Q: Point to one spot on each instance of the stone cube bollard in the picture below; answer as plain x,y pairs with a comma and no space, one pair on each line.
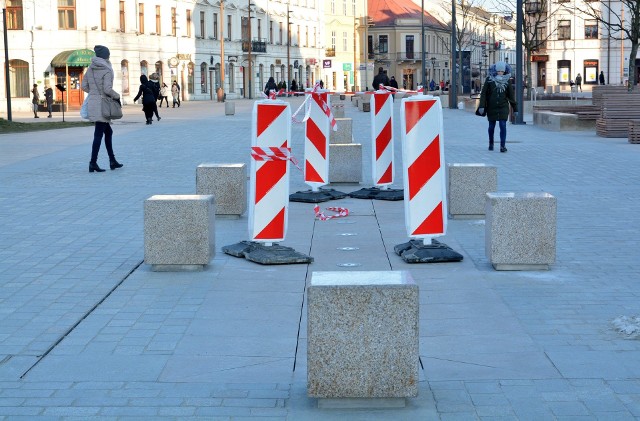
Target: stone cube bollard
344,132
229,108
345,163
179,232
468,185
338,110
520,230
362,337
227,183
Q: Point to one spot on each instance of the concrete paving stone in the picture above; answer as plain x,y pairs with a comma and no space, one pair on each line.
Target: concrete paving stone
565,312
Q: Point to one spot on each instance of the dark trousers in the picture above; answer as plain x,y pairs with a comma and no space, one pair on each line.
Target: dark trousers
503,132
164,98
155,109
106,130
148,110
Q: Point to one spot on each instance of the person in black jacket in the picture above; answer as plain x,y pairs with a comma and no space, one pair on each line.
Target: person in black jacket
393,82
271,85
380,79
154,84
148,99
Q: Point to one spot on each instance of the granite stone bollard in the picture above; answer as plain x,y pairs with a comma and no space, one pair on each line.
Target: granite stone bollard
179,232
337,110
344,132
520,230
362,333
229,108
227,183
345,163
467,188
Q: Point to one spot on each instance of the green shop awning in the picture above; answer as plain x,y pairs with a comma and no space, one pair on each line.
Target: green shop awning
73,58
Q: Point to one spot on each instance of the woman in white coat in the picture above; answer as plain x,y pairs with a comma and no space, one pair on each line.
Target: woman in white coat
98,82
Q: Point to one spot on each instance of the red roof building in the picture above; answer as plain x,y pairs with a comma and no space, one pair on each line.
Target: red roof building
393,43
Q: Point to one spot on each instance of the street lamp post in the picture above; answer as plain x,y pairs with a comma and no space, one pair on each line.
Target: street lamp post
7,70
288,47
433,67
424,57
453,83
250,87
221,88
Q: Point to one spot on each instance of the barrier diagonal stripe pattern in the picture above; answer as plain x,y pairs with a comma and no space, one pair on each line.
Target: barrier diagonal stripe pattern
423,159
270,153
316,146
382,134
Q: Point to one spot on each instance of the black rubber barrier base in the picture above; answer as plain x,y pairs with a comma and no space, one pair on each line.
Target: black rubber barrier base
416,252
322,195
377,193
266,255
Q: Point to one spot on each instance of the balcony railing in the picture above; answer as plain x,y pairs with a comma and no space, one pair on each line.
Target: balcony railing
257,46
330,52
407,55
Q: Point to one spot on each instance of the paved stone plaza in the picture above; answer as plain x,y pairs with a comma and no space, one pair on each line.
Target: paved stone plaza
88,331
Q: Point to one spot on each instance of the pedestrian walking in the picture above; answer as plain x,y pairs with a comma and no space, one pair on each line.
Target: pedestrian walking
175,93
98,82
601,77
393,82
154,83
148,98
48,97
270,86
495,97
380,79
294,86
34,100
164,94
579,82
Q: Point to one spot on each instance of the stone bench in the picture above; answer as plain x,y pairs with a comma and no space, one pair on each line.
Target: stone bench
345,163
179,232
362,338
520,230
337,110
344,132
467,187
227,183
557,122
229,108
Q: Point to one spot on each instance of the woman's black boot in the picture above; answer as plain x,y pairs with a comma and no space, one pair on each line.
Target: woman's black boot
113,164
93,167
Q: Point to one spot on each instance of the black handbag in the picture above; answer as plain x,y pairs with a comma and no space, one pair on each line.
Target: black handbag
483,114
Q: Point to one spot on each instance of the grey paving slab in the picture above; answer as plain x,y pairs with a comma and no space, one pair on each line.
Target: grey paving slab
110,339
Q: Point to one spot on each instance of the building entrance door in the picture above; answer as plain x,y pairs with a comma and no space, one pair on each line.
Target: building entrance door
542,74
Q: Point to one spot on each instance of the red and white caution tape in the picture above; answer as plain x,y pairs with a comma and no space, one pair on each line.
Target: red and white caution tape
274,153
340,213
325,108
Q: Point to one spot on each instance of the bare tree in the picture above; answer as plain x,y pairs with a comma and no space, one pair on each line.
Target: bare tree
467,27
537,29
620,27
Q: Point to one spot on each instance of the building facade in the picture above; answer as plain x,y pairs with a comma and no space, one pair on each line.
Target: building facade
394,44
575,43
343,20
50,42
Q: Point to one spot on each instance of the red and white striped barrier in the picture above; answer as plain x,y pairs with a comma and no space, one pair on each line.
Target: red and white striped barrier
316,142
382,138
340,213
425,205
269,185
